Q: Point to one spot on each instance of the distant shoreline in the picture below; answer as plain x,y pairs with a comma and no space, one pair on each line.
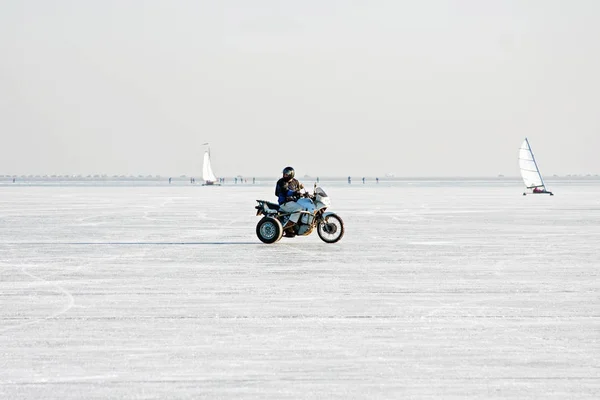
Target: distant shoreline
249,180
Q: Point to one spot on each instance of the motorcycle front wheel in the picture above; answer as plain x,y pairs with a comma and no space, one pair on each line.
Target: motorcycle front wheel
269,230
331,228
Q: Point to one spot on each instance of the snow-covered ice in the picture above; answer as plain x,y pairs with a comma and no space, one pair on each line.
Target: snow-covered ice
437,290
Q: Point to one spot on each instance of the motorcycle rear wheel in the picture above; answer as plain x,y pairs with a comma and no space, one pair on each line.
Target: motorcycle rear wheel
331,229
269,230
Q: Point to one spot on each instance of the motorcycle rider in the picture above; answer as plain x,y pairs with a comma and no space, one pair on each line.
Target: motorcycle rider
287,191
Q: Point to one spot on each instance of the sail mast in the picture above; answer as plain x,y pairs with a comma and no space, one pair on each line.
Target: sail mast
206,144
207,173
535,163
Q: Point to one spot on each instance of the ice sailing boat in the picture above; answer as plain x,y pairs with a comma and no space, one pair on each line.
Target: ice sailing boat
207,173
530,171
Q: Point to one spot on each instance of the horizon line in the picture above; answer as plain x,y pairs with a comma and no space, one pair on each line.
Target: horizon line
325,177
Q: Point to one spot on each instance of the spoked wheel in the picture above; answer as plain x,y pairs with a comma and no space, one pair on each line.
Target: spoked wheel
331,229
269,230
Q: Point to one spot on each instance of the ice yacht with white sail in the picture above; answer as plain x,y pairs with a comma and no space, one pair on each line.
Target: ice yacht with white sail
530,172
207,173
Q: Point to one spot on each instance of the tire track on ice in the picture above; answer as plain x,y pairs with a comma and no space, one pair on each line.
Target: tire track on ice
44,282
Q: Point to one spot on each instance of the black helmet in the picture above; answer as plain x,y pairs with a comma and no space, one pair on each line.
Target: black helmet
288,173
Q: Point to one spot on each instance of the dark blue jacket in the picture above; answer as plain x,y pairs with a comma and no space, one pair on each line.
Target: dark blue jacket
287,190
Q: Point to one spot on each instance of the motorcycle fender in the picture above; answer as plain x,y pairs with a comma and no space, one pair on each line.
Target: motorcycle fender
327,214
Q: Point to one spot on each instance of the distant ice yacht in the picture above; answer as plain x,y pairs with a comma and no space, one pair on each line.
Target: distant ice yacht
530,171
207,172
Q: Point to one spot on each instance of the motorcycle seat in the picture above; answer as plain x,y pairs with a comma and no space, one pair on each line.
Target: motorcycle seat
272,206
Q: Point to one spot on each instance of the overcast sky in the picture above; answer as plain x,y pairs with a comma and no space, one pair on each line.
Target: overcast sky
333,88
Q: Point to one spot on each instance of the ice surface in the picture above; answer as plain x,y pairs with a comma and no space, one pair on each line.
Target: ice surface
437,290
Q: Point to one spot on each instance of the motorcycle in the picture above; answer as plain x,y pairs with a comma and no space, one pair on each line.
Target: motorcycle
330,226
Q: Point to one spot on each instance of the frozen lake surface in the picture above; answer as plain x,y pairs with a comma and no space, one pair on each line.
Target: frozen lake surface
435,291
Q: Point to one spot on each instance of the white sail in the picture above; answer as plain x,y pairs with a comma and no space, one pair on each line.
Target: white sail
529,169
207,172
